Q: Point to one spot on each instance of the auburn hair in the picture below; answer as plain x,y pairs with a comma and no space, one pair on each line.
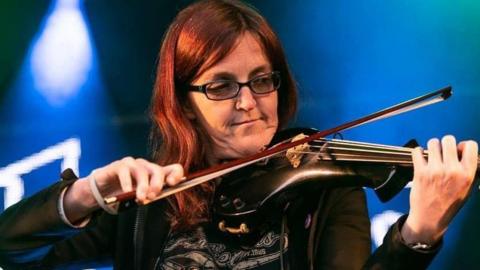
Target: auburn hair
200,36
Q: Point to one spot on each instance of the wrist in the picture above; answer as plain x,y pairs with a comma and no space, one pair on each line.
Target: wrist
78,201
420,234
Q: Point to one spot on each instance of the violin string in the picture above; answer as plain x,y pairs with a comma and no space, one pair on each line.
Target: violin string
359,154
368,145
385,154
395,149
362,143
353,157
374,151
367,148
353,151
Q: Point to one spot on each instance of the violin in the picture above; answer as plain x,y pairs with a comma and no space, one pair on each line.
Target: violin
299,160
248,198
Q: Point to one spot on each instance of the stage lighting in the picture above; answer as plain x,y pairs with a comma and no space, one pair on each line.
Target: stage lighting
62,55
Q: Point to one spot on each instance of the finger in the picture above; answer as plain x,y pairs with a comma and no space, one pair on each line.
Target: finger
174,174
469,151
124,178
417,157
140,175
461,146
449,151
418,160
434,151
157,178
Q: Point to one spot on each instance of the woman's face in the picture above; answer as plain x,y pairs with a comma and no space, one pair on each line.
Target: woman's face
243,125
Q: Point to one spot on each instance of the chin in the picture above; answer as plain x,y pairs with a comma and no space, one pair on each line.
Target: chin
255,143
247,142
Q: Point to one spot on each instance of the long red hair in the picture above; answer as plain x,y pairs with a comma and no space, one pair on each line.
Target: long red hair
201,35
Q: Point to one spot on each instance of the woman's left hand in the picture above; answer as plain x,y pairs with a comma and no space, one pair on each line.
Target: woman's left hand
440,187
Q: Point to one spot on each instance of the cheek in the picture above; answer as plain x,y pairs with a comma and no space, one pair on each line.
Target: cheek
212,115
271,108
218,118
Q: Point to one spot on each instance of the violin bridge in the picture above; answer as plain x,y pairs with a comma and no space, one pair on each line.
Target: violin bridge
295,154
242,229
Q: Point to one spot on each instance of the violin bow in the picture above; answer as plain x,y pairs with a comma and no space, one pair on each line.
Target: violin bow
202,176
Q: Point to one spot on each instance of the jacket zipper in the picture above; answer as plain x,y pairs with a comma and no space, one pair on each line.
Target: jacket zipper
138,231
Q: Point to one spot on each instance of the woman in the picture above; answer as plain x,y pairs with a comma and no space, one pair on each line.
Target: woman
222,90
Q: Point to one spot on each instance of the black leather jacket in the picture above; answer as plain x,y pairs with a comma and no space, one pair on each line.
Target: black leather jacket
32,235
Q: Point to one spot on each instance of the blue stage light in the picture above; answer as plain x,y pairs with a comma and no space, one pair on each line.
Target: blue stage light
62,55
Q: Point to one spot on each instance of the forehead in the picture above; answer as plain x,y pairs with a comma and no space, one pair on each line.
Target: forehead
247,55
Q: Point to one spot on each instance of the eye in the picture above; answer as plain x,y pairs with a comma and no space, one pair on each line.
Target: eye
263,84
218,86
221,89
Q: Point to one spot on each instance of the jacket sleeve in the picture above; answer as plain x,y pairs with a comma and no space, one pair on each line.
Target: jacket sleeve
32,234
395,254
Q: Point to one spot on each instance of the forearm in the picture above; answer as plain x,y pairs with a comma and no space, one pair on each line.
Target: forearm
78,202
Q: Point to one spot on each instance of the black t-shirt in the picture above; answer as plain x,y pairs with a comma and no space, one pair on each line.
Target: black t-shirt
206,248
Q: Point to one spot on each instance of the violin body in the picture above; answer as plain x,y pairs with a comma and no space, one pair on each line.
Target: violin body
248,199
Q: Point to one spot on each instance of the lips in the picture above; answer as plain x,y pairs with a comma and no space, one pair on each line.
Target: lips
244,122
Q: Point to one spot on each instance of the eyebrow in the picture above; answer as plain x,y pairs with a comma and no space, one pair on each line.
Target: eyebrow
225,75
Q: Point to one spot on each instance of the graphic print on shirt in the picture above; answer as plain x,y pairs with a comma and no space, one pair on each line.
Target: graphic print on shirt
194,250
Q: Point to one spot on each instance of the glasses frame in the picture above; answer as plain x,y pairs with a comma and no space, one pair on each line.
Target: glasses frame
203,88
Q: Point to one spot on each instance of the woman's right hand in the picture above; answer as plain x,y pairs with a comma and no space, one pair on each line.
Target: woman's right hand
127,174
145,177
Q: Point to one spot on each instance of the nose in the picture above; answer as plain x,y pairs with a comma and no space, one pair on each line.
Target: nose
245,99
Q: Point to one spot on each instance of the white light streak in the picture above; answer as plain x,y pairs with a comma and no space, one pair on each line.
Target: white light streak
68,151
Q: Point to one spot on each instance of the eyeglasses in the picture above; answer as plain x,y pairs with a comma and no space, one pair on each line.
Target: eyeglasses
227,89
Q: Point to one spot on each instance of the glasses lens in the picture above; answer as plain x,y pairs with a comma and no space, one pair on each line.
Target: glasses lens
266,83
221,90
